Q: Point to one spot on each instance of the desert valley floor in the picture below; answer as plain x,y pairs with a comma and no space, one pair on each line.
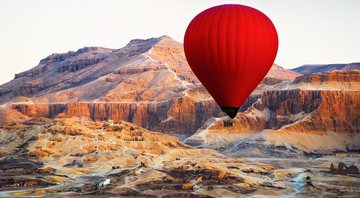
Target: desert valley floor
82,158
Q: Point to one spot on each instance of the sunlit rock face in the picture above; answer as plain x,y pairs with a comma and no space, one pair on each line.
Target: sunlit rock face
147,82
316,113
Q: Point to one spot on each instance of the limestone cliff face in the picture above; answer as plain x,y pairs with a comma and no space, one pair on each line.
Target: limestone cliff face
284,104
181,115
320,116
80,64
298,110
29,89
330,77
337,111
40,110
287,110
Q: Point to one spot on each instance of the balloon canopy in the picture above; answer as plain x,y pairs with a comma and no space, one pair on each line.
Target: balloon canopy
230,48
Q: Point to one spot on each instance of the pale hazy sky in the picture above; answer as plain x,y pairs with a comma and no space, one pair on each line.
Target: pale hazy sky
310,31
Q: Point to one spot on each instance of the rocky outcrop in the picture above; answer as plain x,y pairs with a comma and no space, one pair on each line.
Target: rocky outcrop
31,73
28,89
48,62
343,169
130,71
61,57
79,64
40,110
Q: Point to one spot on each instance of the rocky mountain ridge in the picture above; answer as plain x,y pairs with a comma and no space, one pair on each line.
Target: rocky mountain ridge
147,82
309,69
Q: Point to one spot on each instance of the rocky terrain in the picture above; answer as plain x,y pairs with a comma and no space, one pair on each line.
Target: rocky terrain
309,69
147,82
82,158
81,124
316,113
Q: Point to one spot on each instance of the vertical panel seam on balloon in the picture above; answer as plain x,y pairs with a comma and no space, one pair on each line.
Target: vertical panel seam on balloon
204,61
216,45
231,39
209,41
237,46
226,40
243,42
263,37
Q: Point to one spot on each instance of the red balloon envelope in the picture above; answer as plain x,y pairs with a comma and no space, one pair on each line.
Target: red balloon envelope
230,48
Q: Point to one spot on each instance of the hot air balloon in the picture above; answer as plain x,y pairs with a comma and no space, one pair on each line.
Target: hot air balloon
230,48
